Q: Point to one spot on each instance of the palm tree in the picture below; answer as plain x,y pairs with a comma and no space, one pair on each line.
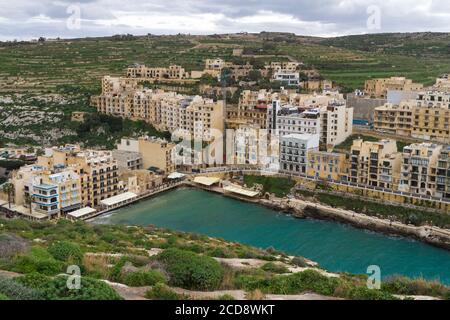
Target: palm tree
29,199
8,188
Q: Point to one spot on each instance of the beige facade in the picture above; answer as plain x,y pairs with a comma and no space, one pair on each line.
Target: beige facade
139,181
50,192
327,165
376,164
418,172
98,171
167,111
427,117
378,88
172,72
155,153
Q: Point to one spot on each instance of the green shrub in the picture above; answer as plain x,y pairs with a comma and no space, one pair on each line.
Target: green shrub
143,278
34,280
191,271
90,289
37,260
116,271
3,297
296,283
66,251
225,297
364,293
16,291
275,268
405,286
160,291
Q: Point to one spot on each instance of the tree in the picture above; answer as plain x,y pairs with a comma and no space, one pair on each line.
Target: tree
29,199
8,188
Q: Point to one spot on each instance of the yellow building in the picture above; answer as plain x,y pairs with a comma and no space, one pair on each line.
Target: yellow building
142,71
418,172
427,117
378,88
50,192
376,164
139,181
156,153
327,165
98,171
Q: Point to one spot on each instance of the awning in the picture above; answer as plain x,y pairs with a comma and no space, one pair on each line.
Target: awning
118,199
175,175
241,191
206,181
82,212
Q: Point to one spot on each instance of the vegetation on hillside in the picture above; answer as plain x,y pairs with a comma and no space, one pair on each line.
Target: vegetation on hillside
41,252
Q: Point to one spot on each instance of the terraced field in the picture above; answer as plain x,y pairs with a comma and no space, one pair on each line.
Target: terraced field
72,69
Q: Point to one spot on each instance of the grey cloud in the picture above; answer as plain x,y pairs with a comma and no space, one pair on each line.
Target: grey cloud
311,17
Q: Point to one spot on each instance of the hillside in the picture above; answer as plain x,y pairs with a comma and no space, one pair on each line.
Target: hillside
119,262
55,77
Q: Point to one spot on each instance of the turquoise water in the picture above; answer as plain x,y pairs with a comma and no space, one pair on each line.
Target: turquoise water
334,246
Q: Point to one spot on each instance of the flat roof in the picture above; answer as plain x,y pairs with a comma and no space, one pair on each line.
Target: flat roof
119,198
82,212
241,191
207,181
176,175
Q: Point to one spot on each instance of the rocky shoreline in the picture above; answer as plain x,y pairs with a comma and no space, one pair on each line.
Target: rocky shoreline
304,209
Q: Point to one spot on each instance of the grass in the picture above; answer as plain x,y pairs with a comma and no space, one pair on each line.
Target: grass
276,185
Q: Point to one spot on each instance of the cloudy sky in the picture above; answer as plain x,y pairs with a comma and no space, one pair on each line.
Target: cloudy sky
26,19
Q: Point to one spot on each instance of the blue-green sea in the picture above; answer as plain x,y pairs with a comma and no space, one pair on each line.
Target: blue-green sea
336,247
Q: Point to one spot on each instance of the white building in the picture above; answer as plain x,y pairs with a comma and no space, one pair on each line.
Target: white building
294,150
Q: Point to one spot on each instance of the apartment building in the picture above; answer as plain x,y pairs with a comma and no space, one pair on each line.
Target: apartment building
327,165
334,122
139,181
442,83
174,72
127,160
156,153
98,171
50,192
378,88
294,149
167,111
214,66
376,164
442,188
427,117
397,119
418,171
287,66
287,78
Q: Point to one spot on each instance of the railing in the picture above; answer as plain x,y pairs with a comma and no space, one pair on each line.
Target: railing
343,183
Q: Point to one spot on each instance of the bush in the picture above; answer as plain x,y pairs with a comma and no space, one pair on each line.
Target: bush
37,260
364,293
34,280
296,283
162,292
16,291
66,251
191,271
116,271
275,268
226,297
143,278
3,297
405,286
